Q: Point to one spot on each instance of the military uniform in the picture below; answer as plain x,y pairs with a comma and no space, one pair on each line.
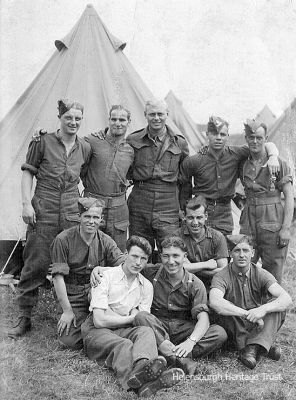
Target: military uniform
174,311
247,291
215,179
211,246
106,179
262,215
75,260
153,203
55,205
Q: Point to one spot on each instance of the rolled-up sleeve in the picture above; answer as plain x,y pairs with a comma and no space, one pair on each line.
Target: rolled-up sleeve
59,257
218,282
99,295
33,157
199,300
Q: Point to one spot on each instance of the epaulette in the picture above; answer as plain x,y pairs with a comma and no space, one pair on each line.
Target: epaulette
36,137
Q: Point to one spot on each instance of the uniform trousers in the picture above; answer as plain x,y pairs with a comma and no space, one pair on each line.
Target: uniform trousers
220,217
177,330
154,211
121,347
242,332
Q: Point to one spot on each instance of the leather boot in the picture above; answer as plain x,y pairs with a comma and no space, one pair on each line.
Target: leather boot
22,326
274,353
248,356
185,363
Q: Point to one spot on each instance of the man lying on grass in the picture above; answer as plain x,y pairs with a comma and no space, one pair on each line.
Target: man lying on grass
108,333
250,304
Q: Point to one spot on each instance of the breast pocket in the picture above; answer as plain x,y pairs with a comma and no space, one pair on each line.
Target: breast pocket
170,160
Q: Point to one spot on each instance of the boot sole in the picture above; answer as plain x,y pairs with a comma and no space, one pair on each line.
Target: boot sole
167,379
150,372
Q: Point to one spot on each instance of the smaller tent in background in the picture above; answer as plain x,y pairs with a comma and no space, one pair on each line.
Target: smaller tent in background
266,116
283,134
185,123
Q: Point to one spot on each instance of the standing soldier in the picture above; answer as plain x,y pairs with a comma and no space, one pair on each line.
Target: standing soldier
56,160
106,175
215,172
159,152
264,218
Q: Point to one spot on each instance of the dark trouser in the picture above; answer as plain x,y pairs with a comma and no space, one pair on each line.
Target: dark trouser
220,217
154,211
241,332
78,298
263,222
55,211
120,347
115,218
177,331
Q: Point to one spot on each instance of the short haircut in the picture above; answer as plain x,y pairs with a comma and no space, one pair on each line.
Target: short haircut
174,241
139,242
195,203
153,103
119,107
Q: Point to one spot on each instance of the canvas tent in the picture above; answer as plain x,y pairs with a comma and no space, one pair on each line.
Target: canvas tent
89,66
266,116
184,122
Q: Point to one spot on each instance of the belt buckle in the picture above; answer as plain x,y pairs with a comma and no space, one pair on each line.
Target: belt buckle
141,183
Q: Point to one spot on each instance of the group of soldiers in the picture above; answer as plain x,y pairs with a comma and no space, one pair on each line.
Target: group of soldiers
152,304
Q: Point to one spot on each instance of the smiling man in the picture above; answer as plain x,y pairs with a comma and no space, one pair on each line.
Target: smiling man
215,170
250,304
179,312
56,160
74,253
159,151
264,218
106,177
108,333
207,251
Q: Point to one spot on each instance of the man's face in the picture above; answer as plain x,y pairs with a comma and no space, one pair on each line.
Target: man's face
71,121
118,122
242,255
172,259
256,140
90,220
195,220
136,260
156,117
217,140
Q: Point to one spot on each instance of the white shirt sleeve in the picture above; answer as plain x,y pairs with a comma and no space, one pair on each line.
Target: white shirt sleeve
99,294
146,301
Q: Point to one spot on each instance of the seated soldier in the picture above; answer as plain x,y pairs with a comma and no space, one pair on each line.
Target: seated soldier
108,333
74,253
206,247
180,318
250,304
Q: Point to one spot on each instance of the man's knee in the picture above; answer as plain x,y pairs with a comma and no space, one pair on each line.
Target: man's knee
221,335
73,342
142,318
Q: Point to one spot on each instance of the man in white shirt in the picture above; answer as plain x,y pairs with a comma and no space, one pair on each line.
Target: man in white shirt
108,333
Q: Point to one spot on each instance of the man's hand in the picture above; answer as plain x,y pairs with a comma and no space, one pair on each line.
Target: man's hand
100,134
95,277
273,165
28,214
134,312
203,150
65,322
184,348
256,314
283,237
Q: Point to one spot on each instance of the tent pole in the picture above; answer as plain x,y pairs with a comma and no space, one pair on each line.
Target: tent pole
10,255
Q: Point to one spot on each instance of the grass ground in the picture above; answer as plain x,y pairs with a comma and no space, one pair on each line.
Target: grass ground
35,367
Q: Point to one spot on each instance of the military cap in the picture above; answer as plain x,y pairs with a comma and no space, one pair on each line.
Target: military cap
217,124
233,240
251,126
65,105
85,203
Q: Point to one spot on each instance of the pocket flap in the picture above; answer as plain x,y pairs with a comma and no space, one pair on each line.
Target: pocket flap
270,226
122,225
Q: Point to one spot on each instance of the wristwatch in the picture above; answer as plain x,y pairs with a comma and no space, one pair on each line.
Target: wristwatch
192,340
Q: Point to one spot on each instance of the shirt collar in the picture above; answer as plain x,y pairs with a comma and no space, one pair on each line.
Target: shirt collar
59,138
122,276
238,273
208,234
